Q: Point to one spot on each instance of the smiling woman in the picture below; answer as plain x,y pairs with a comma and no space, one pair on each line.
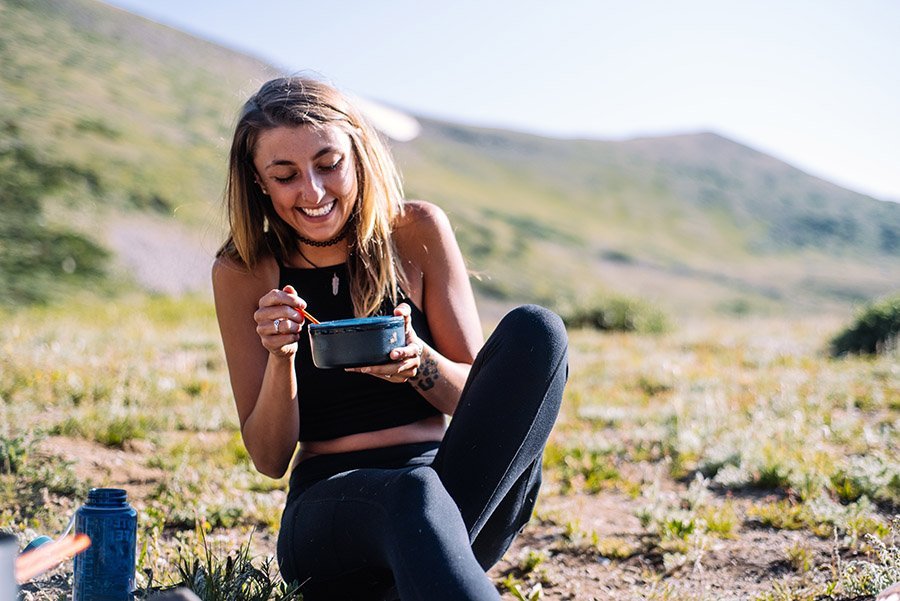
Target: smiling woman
382,494
304,171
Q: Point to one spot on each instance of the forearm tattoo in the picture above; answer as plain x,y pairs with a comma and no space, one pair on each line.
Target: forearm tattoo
428,373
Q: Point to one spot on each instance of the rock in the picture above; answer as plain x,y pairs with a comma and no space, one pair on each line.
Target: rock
177,594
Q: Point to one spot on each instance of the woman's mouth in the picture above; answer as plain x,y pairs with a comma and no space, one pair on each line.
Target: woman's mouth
319,211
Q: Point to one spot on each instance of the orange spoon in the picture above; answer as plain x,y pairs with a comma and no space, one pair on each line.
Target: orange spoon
309,317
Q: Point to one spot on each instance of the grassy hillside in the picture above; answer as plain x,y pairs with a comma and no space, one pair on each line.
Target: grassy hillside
143,109
691,220
104,113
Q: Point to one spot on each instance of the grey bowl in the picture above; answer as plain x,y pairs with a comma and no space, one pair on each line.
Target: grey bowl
355,342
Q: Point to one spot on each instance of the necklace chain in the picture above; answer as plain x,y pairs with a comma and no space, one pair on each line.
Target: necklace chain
305,258
325,243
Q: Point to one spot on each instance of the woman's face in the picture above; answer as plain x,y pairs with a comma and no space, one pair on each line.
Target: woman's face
310,175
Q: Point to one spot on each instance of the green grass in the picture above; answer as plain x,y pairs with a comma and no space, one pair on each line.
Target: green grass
214,574
680,425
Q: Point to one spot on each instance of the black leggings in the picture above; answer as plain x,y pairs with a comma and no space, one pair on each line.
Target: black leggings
431,518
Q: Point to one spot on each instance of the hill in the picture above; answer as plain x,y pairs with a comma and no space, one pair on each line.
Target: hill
688,219
115,131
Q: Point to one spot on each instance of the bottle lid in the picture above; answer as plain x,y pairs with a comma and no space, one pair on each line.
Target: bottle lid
107,497
37,542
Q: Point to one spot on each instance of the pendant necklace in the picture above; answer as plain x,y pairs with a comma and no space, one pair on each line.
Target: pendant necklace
335,280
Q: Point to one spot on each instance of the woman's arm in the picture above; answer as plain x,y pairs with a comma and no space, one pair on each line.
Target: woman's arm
427,244
260,360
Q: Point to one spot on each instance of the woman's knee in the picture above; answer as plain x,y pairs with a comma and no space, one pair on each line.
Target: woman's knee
532,327
419,492
423,510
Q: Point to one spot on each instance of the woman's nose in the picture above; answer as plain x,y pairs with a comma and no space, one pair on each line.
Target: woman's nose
313,191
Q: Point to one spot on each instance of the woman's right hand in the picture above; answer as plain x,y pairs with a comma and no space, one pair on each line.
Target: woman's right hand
279,320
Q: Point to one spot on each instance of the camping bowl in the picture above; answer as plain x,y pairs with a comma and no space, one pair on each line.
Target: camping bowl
355,342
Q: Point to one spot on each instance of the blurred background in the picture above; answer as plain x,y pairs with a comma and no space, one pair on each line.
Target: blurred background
700,157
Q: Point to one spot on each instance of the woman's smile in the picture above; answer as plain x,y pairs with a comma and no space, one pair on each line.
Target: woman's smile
319,211
309,174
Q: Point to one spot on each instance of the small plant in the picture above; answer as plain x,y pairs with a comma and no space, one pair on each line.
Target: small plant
14,451
235,578
799,556
614,547
109,429
871,577
780,515
785,592
531,561
587,470
678,527
720,521
772,475
533,594
868,476
875,329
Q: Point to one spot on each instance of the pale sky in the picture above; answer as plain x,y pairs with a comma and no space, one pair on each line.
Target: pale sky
813,82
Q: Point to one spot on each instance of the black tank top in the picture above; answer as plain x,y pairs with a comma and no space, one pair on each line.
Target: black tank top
334,402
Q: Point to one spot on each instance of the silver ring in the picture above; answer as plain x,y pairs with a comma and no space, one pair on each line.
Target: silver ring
277,323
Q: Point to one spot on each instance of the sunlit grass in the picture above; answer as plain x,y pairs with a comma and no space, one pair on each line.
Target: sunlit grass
709,430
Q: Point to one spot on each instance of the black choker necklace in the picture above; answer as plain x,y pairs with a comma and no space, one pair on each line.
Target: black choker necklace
335,280
331,242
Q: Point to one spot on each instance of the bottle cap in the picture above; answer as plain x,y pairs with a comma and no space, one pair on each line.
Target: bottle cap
37,542
107,497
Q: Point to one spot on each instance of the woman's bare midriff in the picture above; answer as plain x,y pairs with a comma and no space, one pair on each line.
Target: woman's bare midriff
428,429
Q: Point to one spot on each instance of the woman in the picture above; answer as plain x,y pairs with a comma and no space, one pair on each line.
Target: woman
381,493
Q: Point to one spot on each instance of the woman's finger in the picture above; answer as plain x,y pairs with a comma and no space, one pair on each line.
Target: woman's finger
286,325
410,351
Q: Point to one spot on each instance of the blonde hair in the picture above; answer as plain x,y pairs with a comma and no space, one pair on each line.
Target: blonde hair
257,231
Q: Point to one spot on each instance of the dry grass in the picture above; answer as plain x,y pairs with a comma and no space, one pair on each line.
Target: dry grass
709,435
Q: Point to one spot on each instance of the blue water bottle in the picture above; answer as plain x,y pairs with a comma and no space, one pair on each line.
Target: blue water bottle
105,571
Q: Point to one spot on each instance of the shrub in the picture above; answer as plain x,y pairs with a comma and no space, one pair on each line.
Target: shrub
875,329
14,451
615,313
870,577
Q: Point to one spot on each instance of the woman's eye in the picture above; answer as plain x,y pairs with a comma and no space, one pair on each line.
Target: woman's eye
283,180
331,166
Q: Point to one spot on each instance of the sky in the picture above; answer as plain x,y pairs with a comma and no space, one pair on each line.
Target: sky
815,83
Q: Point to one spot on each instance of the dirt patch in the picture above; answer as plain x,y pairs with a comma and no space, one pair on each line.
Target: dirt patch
162,255
740,567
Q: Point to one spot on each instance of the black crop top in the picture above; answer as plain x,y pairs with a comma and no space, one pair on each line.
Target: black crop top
334,402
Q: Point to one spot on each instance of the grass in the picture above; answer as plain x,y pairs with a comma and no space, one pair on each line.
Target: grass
214,574
707,432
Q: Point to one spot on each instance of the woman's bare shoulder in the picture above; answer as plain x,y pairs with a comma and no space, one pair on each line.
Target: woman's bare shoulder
420,212
236,280
423,226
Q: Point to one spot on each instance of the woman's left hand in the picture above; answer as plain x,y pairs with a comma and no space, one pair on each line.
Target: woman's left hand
405,360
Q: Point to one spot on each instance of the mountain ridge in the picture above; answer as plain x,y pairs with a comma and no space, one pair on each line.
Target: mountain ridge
139,116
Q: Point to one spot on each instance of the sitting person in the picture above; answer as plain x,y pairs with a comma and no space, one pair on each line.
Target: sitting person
382,492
